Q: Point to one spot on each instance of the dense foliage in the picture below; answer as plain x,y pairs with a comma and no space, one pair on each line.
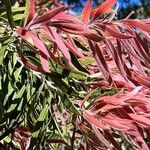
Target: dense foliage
73,82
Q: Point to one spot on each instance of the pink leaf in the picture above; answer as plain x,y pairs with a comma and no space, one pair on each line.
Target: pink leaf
89,118
141,79
137,24
61,46
140,119
31,11
47,16
86,11
103,8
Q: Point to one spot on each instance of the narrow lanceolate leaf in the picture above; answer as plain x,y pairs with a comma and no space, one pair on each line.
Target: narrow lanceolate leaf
29,11
86,11
101,137
103,8
137,24
73,48
113,31
117,58
101,62
43,113
47,16
35,41
141,119
94,121
2,52
61,46
30,65
69,105
143,80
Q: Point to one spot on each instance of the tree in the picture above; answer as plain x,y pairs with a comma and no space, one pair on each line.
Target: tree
73,82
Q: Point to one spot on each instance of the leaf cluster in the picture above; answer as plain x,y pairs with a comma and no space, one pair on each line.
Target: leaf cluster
73,82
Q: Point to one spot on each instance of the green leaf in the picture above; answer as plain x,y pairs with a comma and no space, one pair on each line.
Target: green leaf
18,17
12,106
20,92
40,121
10,68
4,38
43,113
14,10
58,128
17,73
69,105
7,139
87,61
74,74
2,52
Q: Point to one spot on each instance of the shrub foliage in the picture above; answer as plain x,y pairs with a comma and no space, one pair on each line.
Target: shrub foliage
73,82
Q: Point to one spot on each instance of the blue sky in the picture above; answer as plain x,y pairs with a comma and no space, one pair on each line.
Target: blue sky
122,4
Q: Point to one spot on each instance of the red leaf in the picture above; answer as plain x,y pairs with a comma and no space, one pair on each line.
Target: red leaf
39,44
47,16
141,79
112,139
89,118
101,137
35,41
140,119
85,16
61,46
103,8
44,62
114,32
118,123
30,65
103,67
31,11
44,54
137,24
72,47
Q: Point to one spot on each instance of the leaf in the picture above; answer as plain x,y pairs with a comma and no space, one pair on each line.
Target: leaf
19,94
102,9
2,52
101,62
43,113
74,74
35,40
61,46
58,128
138,24
40,121
92,120
17,72
47,16
101,137
143,80
113,31
29,11
85,16
69,105
4,38
141,119
18,17
30,65
72,47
